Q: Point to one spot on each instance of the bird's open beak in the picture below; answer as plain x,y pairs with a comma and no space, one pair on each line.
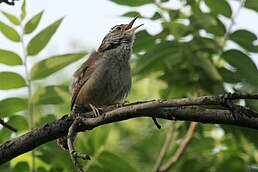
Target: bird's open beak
129,29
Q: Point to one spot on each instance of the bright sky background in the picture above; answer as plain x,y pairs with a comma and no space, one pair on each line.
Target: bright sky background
87,22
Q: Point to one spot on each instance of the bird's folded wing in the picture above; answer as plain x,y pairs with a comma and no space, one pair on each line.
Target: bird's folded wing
82,75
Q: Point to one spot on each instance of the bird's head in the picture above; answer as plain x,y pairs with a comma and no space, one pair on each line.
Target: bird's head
123,30
123,33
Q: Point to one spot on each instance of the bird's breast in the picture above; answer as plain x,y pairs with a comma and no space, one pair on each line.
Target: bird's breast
111,82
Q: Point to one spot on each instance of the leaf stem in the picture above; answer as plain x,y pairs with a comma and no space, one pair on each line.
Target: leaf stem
28,79
232,22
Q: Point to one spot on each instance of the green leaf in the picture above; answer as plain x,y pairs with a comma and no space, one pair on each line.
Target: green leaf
10,58
201,21
6,167
111,161
108,161
95,140
41,169
143,41
175,14
233,163
131,14
23,9
12,18
10,80
192,164
132,3
51,95
5,135
32,24
219,7
155,59
208,66
58,154
203,44
156,16
242,134
9,32
219,29
229,76
53,64
252,4
253,105
21,166
245,39
39,42
244,66
46,119
11,105
178,29
19,122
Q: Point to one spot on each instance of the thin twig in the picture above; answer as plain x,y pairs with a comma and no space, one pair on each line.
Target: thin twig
232,20
181,149
7,126
8,2
156,123
29,89
70,142
165,147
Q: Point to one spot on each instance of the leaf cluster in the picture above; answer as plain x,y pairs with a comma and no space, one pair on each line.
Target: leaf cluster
27,70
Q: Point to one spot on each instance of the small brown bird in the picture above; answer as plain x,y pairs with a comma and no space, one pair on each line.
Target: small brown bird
105,77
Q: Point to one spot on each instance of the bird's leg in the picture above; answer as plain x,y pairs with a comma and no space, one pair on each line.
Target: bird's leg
96,110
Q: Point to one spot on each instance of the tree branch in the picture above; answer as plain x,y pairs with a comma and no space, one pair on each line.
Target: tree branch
172,109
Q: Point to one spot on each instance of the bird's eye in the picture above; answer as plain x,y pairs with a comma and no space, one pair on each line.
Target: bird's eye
118,28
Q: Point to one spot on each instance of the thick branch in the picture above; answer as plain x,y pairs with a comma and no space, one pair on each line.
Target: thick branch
172,109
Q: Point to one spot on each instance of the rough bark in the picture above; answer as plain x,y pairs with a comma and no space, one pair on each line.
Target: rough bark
207,109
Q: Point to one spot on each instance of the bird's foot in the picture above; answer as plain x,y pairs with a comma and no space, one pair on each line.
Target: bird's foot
96,110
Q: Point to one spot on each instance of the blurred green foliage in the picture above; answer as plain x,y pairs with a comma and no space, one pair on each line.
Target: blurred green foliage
192,55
